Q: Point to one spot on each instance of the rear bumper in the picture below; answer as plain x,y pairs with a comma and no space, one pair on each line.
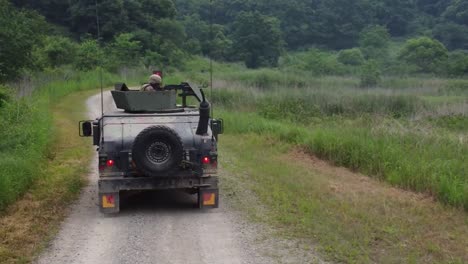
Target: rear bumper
116,184
110,187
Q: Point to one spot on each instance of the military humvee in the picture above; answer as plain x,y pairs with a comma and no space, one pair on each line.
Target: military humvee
154,143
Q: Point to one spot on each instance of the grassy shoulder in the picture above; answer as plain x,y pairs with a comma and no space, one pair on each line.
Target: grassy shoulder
347,216
27,225
431,164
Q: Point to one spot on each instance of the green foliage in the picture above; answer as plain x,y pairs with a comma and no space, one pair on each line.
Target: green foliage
5,95
457,123
425,53
27,129
89,55
320,62
457,12
20,31
153,59
117,16
59,51
424,164
458,63
374,42
124,51
452,35
257,39
21,151
370,74
352,57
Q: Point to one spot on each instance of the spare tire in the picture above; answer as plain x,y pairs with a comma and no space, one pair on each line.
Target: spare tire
157,151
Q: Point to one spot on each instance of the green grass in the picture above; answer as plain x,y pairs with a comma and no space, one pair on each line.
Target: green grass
29,223
28,131
411,134
348,218
427,164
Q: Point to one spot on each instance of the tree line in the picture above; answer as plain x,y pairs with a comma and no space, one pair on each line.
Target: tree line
37,34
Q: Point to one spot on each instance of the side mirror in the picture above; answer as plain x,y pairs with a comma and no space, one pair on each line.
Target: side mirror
86,129
217,126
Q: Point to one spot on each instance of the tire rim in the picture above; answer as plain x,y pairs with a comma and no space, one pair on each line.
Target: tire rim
158,152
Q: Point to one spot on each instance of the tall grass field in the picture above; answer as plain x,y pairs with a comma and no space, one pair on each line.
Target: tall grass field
411,132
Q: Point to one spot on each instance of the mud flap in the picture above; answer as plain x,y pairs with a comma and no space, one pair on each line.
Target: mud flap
109,203
208,198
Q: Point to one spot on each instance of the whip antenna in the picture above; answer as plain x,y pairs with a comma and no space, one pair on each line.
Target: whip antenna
211,55
100,66
100,69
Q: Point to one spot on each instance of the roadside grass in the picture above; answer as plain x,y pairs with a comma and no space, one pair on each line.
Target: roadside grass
42,159
27,225
429,164
25,133
28,130
348,217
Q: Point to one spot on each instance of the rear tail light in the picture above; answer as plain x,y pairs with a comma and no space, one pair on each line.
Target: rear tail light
206,160
110,163
106,164
210,164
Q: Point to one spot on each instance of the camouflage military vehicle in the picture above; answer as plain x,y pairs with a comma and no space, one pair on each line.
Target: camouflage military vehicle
154,143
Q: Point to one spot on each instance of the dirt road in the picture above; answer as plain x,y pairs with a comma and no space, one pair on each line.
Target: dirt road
161,228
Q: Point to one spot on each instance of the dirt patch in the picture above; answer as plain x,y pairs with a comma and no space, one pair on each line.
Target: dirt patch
345,181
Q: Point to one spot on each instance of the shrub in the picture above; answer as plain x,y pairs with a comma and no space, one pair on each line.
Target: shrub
322,63
351,57
370,74
89,55
458,63
5,95
374,41
59,51
425,53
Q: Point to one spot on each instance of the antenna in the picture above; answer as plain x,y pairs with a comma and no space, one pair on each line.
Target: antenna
100,66
100,70
211,55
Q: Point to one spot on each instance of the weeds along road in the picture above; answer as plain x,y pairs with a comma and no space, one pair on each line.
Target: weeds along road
155,228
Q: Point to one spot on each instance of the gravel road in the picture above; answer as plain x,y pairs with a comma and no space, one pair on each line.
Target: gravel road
161,227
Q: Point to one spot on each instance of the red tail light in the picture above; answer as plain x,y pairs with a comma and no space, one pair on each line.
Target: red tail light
206,160
110,163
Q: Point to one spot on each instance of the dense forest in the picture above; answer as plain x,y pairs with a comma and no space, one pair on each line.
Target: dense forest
432,34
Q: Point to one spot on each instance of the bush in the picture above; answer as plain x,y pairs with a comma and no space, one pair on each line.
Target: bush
427,54
5,95
322,63
374,41
59,51
458,63
89,55
370,74
351,57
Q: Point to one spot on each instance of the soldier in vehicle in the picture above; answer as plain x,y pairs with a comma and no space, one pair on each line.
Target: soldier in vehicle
154,84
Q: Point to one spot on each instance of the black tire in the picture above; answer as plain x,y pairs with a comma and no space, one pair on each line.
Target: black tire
157,151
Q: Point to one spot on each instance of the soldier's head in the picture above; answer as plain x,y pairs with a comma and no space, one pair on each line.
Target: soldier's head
155,81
